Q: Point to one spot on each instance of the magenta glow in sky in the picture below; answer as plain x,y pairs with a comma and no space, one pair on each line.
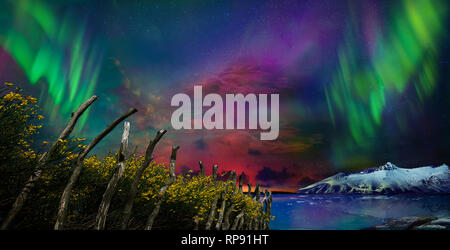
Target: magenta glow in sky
360,83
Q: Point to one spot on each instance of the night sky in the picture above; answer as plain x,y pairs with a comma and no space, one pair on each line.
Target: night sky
360,82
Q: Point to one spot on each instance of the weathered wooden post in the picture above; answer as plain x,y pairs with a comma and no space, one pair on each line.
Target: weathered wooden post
237,220
224,201
202,173
269,208
22,197
65,197
163,190
111,188
249,193
262,223
241,223
212,212
214,172
202,169
241,178
229,209
257,196
137,177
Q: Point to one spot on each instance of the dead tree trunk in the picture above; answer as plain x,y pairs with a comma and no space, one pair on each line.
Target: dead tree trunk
249,193
137,177
224,201
238,217
241,223
162,191
21,198
202,169
65,197
214,172
250,225
241,178
226,224
212,213
237,220
269,212
262,222
257,194
202,173
111,188
257,197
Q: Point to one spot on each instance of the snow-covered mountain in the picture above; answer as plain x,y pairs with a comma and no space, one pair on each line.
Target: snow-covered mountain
387,179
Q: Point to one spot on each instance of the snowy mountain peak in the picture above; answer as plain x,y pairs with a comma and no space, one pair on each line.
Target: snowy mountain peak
386,179
388,166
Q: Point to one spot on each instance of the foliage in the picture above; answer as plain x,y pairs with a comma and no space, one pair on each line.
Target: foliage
190,197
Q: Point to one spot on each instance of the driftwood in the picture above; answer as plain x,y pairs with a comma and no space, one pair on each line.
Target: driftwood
111,188
65,197
163,190
21,198
212,212
137,177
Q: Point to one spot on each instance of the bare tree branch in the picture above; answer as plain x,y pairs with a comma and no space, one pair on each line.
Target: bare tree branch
262,222
202,169
65,197
229,209
237,220
241,182
212,212
224,200
202,173
215,172
257,197
137,177
21,198
111,188
162,191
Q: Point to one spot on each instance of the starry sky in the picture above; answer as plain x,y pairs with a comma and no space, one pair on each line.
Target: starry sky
360,82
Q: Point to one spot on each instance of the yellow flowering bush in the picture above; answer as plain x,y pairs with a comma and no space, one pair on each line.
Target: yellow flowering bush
188,199
18,123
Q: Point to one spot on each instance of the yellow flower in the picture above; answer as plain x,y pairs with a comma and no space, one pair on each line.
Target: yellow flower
40,117
9,84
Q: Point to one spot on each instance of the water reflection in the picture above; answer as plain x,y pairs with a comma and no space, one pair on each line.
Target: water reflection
352,211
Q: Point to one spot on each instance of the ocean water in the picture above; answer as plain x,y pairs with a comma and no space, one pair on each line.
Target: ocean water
351,212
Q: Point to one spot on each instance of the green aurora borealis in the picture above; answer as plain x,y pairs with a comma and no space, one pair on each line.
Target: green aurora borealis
360,82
